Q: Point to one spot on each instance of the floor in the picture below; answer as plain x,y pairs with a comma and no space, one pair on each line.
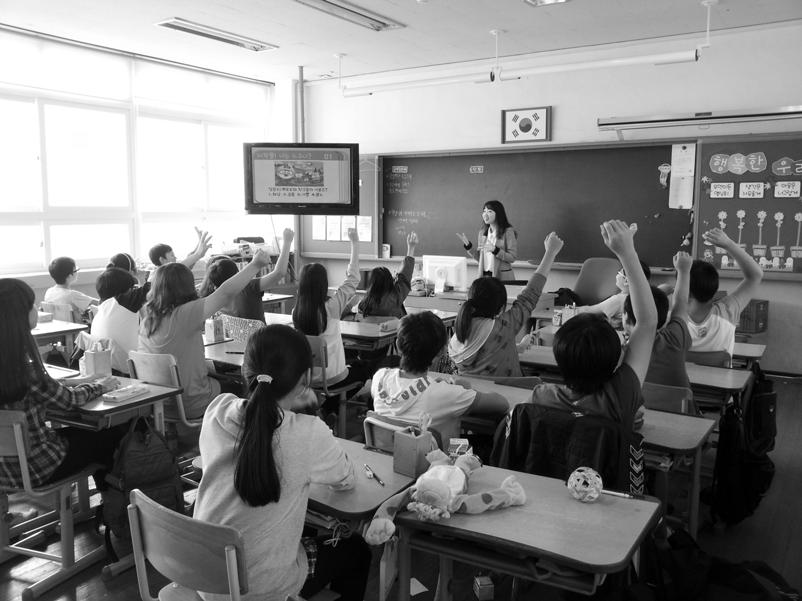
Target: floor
773,534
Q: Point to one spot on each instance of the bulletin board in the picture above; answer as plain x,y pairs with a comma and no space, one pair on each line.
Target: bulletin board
750,187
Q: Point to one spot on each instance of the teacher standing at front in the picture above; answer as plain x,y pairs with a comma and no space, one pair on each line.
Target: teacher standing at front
498,243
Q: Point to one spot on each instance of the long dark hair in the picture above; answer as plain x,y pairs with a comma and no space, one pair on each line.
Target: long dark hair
283,354
172,286
309,314
20,362
381,285
220,269
502,223
486,297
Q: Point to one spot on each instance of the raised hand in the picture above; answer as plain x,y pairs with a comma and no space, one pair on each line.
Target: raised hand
204,240
682,261
717,237
288,235
353,235
553,243
261,258
618,236
412,239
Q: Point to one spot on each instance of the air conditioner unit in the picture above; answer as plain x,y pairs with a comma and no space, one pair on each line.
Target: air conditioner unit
701,118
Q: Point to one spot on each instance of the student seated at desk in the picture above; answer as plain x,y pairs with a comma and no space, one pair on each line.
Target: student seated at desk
259,459
385,295
667,366
484,338
318,314
712,324
410,391
588,349
248,303
117,318
65,273
174,321
613,306
25,386
162,254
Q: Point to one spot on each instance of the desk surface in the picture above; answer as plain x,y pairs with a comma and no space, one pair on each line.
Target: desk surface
229,352
721,378
99,407
357,330
274,297
748,350
362,501
661,431
598,537
57,328
447,317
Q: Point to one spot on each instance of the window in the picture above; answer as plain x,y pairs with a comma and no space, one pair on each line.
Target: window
103,153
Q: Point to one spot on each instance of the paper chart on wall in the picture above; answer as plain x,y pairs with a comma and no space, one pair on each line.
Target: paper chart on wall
333,227
347,222
364,227
683,165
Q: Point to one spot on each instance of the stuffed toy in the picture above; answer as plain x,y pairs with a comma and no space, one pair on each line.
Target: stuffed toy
441,491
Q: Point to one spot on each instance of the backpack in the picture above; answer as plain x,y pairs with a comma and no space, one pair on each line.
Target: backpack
142,461
565,297
760,414
740,477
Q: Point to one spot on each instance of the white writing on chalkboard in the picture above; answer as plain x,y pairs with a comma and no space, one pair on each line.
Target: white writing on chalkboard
397,183
477,169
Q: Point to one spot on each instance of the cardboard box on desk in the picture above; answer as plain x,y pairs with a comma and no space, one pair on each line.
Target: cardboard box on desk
410,447
97,363
214,331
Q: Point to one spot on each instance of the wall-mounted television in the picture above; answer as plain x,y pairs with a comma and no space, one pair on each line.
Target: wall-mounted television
302,179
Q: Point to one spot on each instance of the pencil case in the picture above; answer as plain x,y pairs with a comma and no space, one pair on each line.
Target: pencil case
126,392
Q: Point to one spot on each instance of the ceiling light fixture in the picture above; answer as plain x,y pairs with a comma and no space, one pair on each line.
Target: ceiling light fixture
352,13
543,2
213,33
496,74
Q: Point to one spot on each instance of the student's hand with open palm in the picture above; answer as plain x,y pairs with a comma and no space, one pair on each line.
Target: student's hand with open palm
618,236
412,243
261,258
204,241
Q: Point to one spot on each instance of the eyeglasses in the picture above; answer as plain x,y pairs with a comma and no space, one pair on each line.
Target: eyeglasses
74,271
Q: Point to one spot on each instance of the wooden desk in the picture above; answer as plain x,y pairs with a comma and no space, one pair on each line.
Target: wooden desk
447,317
593,538
679,435
724,379
229,352
748,353
358,335
362,501
98,414
58,373
272,298
64,331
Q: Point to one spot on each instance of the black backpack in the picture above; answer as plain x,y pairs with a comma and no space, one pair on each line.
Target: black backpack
760,414
740,477
141,461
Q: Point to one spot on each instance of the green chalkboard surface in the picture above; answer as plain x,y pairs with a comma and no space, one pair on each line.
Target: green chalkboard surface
751,187
570,191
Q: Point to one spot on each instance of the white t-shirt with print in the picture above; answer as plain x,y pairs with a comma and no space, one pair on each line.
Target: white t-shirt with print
717,331
409,398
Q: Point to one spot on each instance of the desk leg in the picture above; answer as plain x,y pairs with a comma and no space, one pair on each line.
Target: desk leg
342,413
158,416
693,505
443,592
404,564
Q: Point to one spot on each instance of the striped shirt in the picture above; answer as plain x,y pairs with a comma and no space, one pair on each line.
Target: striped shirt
46,449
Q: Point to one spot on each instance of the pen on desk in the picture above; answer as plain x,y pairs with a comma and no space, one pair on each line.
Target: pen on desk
235,352
615,493
371,474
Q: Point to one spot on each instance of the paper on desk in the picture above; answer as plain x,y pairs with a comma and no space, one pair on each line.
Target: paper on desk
126,392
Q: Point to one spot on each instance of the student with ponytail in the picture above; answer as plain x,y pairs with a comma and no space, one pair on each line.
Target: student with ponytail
259,459
484,333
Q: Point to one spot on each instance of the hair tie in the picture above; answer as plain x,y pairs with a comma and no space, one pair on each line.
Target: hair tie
264,378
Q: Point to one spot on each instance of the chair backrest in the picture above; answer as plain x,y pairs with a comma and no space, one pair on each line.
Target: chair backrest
161,369
14,441
553,442
673,399
62,312
596,279
240,328
194,554
710,358
320,360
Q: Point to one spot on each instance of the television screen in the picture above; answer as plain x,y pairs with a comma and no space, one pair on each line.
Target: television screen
302,179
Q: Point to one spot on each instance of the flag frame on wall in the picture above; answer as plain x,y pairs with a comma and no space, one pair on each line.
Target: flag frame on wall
526,125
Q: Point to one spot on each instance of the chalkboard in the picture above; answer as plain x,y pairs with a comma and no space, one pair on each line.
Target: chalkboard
750,187
570,191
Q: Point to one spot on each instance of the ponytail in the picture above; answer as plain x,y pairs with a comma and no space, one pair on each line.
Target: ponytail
462,325
256,477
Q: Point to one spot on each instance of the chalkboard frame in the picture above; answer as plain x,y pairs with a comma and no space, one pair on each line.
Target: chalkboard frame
518,150
701,200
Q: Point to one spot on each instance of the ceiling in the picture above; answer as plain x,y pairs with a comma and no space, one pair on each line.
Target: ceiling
437,32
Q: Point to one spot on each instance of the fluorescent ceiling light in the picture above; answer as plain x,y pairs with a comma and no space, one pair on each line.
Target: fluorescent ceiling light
218,35
544,2
704,118
493,74
352,13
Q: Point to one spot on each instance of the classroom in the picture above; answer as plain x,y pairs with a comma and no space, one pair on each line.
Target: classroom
119,135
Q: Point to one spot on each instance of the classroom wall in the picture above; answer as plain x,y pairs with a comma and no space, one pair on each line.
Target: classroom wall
750,69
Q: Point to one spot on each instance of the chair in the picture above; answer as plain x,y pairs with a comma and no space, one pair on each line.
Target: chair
62,312
596,279
161,369
380,431
323,390
239,328
672,399
194,555
14,443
